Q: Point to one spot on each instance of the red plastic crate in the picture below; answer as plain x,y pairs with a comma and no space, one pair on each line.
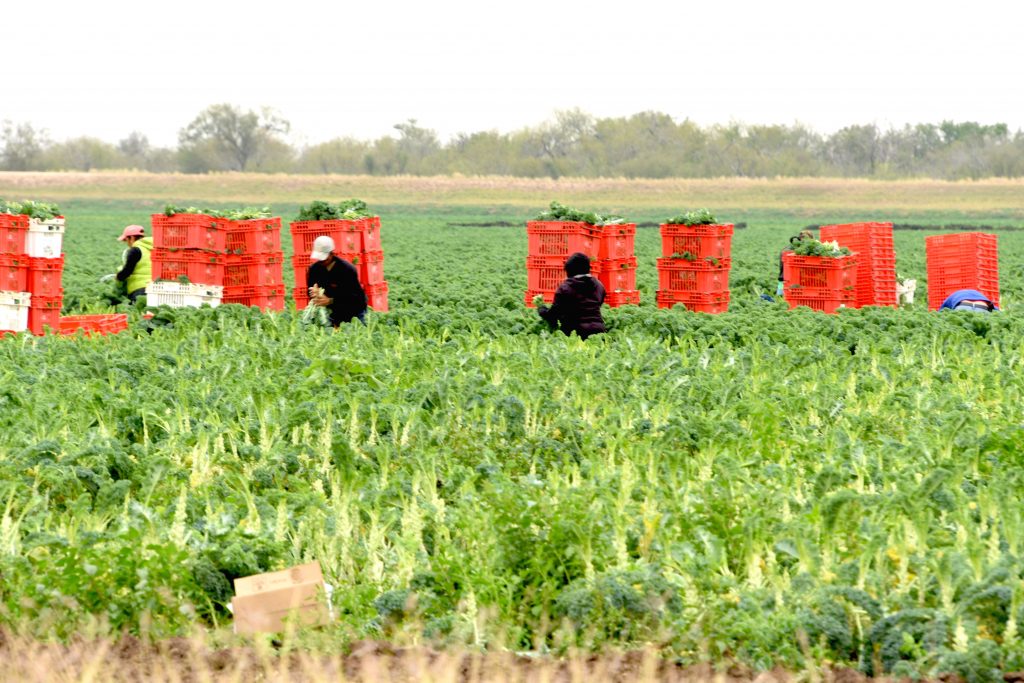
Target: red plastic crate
545,273
200,267
377,297
819,271
701,241
707,302
856,231
940,287
350,236
301,296
44,276
623,298
617,241
189,231
615,274
562,238
14,272
253,269
255,236
13,231
680,275
962,242
44,312
94,324
264,297
371,268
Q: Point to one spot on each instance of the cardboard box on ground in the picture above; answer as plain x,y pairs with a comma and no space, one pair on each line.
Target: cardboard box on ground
265,603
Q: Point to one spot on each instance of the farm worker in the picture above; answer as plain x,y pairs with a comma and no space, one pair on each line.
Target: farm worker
577,304
793,241
137,271
968,300
334,283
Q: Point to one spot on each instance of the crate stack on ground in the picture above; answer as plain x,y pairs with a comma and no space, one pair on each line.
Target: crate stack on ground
872,244
188,252
202,259
823,283
610,248
968,260
31,270
254,264
357,241
694,266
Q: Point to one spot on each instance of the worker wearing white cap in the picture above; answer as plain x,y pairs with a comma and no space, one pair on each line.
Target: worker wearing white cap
137,266
334,283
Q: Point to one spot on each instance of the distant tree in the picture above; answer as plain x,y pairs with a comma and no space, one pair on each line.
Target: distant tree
83,154
341,155
418,149
226,136
855,150
23,147
135,146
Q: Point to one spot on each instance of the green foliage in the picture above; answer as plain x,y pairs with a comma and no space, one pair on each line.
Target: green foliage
698,217
560,212
761,486
812,247
39,210
247,213
349,209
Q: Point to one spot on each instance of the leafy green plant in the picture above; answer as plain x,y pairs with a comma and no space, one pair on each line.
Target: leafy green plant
698,217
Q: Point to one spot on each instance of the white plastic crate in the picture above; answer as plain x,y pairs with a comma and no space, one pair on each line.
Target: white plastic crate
44,238
183,295
14,311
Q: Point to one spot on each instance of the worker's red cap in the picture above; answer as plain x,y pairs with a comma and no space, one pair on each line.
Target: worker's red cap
132,231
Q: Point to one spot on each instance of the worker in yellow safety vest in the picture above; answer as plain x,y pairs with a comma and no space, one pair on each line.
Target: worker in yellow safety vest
137,269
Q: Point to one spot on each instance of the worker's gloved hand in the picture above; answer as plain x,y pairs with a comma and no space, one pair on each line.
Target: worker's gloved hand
778,290
108,278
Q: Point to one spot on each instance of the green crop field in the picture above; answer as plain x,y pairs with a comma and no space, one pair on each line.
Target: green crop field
764,486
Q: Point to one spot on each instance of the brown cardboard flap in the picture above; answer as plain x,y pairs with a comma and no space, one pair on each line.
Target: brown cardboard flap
293,576
267,611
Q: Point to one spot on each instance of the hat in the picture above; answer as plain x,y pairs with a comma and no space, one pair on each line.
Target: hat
131,231
322,247
577,264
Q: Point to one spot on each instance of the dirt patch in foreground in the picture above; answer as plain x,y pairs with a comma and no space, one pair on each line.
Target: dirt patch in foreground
181,660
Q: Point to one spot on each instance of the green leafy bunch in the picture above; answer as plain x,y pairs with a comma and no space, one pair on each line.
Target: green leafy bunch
247,213
698,217
39,210
560,212
812,247
348,209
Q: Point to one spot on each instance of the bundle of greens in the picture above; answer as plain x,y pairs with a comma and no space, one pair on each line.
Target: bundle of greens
812,247
248,213
316,316
349,209
39,210
698,217
560,212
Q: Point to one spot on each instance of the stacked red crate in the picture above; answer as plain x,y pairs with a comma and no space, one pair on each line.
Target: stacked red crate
610,248
31,261
357,241
243,256
968,260
872,244
694,267
254,264
822,283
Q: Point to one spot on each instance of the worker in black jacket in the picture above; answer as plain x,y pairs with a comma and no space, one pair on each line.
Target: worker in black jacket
334,283
577,304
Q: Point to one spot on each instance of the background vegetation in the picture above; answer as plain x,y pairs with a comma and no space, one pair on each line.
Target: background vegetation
224,137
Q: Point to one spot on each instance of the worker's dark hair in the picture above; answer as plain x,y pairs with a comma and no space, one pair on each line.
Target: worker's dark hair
577,264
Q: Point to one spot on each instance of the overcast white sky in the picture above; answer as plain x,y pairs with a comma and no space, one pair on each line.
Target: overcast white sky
108,67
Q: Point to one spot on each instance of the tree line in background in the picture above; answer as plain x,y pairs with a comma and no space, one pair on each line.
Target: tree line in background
645,145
